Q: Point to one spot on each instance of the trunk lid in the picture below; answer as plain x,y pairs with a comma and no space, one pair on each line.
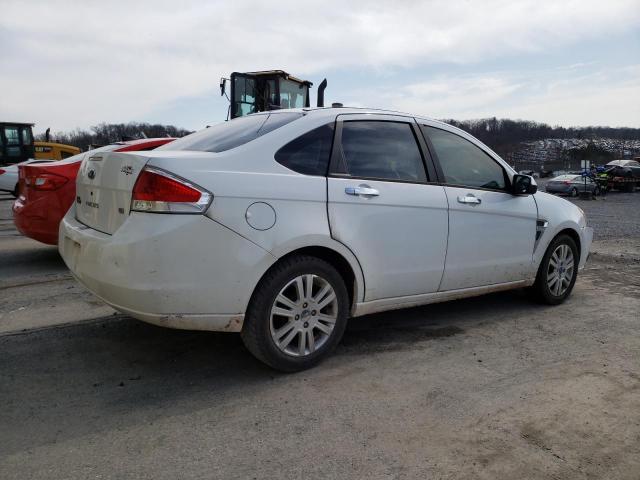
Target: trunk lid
103,189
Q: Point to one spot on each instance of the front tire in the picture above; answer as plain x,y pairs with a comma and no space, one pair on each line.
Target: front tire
558,271
297,314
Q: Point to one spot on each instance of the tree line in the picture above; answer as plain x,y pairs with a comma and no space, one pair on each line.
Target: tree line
503,134
106,133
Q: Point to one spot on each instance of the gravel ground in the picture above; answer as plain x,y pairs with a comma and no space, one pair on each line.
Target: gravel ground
616,215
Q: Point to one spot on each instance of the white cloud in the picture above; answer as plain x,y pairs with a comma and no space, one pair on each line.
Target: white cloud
75,63
571,96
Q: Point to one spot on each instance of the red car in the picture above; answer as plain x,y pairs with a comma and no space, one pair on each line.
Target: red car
46,192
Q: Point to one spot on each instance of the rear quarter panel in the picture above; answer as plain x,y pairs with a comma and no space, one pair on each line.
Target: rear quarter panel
249,174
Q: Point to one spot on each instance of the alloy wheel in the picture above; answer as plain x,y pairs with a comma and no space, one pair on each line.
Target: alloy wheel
560,270
303,315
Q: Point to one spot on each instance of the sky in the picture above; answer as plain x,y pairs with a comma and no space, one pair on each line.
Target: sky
72,64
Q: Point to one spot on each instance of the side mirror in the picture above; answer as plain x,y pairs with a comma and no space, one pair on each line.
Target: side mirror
523,185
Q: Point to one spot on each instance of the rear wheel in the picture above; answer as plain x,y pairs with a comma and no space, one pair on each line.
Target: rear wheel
15,191
297,314
557,272
574,192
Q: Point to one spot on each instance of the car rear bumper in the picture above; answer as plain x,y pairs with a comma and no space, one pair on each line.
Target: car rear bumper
30,221
179,271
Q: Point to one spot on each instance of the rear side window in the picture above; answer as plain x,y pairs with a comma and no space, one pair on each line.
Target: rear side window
463,163
232,134
382,150
309,153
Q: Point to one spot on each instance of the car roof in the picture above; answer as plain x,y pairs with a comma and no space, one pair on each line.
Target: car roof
333,111
566,176
354,110
623,163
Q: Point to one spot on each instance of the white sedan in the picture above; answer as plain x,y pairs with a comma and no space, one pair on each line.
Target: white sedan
282,225
9,176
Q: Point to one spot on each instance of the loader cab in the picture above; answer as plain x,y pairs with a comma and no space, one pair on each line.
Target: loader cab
253,92
16,142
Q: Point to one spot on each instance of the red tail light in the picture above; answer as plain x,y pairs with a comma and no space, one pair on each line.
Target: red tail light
2,171
45,181
158,191
567,182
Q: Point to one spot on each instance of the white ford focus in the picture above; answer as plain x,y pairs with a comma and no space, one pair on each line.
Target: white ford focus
282,225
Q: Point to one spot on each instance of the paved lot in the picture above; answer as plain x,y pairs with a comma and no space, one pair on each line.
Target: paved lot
492,387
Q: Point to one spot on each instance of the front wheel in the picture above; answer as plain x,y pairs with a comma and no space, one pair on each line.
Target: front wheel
297,314
558,271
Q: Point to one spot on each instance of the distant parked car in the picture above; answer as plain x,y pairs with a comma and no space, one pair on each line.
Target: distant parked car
624,168
9,175
572,185
281,225
47,191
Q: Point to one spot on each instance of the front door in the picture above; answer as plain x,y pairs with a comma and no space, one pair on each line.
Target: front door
491,232
383,207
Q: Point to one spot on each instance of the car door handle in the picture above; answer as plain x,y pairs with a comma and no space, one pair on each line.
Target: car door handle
469,198
362,191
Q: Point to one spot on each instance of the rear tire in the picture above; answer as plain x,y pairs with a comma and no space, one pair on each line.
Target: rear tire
297,314
558,271
574,192
15,191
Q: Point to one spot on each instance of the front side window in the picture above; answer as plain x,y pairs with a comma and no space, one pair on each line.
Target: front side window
11,134
309,153
463,163
13,141
382,150
227,135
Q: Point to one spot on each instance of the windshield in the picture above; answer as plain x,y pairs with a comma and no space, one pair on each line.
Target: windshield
292,94
227,135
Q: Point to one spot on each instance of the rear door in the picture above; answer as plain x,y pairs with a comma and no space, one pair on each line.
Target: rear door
384,207
491,231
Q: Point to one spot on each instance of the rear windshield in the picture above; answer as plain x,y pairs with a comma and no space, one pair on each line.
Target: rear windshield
232,134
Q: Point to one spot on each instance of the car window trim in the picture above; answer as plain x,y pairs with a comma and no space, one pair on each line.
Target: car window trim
338,164
440,172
